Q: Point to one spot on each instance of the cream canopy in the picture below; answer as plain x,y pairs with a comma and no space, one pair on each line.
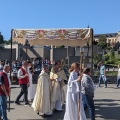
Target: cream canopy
56,37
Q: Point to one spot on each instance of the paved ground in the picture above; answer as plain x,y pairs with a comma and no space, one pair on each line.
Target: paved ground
107,104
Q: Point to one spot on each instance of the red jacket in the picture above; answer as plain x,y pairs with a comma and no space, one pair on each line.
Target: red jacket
24,80
6,84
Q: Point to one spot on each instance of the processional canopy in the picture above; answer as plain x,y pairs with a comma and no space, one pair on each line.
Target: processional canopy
56,37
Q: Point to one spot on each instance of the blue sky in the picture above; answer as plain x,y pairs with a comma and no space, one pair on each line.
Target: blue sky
101,15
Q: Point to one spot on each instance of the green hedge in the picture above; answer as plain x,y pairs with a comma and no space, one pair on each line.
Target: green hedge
108,73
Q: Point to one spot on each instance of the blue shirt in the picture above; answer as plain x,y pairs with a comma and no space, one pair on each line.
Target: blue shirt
102,69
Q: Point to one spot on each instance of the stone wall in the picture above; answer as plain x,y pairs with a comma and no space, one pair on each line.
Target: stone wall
59,53
74,59
36,52
6,54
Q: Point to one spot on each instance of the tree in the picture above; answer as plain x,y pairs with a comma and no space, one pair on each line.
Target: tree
112,56
95,42
1,38
102,42
106,57
96,59
7,41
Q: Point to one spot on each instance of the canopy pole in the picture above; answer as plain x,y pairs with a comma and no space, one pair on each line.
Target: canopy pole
81,61
10,68
26,48
26,53
92,37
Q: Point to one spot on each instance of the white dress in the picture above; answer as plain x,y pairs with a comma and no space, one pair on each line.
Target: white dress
72,98
31,89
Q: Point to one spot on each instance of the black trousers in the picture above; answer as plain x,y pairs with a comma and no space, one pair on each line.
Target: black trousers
24,91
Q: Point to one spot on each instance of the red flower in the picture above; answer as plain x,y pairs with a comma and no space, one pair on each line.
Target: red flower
64,31
42,31
60,31
39,31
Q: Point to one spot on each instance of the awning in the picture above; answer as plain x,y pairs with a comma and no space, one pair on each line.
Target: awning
56,37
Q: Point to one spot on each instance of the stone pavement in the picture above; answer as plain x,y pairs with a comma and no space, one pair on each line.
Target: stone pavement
107,104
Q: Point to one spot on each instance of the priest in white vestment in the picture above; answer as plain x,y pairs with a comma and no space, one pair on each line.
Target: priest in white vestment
61,74
74,105
42,100
56,89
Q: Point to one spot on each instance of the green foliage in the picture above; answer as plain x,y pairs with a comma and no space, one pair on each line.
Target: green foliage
109,48
112,57
112,53
2,41
108,73
96,73
1,38
60,46
102,42
106,57
1,47
7,42
96,59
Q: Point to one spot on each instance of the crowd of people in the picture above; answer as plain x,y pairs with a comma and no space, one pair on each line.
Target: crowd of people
36,62
49,94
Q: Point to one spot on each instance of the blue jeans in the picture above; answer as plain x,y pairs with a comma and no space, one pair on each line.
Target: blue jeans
118,82
3,107
105,82
89,103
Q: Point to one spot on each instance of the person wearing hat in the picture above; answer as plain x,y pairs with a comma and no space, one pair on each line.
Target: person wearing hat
24,83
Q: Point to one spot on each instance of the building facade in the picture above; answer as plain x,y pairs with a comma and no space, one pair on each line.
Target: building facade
111,38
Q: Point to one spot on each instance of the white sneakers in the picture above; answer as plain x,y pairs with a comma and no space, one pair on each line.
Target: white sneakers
99,86
116,87
49,113
104,87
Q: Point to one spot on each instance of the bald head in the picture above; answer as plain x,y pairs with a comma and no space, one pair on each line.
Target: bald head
6,68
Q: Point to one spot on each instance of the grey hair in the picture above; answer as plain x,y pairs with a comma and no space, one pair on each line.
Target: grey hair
24,62
6,66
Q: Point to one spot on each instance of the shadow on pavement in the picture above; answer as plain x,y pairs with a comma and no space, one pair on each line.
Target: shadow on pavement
107,110
15,87
11,108
10,101
56,115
